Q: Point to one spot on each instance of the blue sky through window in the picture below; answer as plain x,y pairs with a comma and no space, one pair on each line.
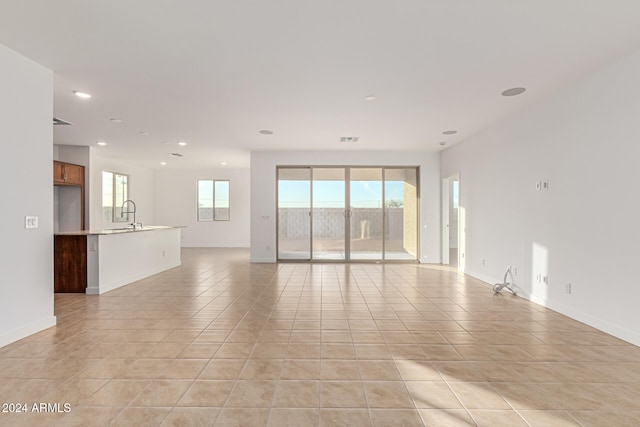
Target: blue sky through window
330,194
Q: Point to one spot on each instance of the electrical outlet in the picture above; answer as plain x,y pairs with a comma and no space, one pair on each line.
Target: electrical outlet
567,288
538,185
545,280
545,184
30,222
483,262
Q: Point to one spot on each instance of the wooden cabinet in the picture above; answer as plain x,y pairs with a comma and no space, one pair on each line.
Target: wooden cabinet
70,264
58,172
68,174
74,174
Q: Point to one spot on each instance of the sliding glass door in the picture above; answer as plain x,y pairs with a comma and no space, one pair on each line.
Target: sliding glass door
400,213
365,201
329,214
347,213
294,213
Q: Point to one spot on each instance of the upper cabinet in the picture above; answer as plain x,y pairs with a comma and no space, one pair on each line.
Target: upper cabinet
69,179
67,174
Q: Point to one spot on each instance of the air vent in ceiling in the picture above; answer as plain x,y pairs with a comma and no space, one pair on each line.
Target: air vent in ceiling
349,139
176,154
60,122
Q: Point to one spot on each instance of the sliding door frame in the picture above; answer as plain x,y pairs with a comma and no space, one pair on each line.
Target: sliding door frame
347,215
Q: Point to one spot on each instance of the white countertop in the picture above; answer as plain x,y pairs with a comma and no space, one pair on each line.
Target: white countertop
108,231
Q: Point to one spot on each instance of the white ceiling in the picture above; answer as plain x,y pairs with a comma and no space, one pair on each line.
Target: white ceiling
214,73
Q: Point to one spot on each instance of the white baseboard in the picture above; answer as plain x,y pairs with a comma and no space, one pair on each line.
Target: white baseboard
26,330
262,260
610,328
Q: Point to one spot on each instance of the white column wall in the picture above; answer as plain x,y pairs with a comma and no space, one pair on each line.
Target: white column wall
263,192
26,148
582,231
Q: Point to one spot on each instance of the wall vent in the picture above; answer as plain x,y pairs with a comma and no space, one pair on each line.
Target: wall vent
60,122
349,139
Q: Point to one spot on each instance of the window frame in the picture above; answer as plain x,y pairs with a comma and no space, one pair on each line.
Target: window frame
115,218
214,207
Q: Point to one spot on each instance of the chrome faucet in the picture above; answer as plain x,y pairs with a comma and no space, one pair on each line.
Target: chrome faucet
122,212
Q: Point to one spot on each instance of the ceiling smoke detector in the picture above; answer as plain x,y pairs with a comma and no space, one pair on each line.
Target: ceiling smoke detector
176,154
349,138
60,122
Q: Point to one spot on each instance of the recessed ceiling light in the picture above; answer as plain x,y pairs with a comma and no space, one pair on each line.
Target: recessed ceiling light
223,163
182,143
101,143
144,132
370,98
443,143
449,132
114,120
266,132
513,91
163,163
82,95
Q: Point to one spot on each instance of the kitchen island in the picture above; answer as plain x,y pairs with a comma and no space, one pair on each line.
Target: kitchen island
98,261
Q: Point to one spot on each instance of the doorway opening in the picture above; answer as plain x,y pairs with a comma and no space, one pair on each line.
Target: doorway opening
347,213
452,253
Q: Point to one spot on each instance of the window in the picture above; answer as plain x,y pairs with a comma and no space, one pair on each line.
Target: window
115,190
213,200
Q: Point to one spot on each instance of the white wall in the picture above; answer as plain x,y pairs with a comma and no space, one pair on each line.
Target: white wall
583,229
176,204
67,208
26,148
263,192
141,190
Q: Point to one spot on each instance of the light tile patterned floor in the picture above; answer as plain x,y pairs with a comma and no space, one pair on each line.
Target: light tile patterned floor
220,341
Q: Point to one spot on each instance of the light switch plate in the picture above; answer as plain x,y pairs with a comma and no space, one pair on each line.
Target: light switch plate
30,222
